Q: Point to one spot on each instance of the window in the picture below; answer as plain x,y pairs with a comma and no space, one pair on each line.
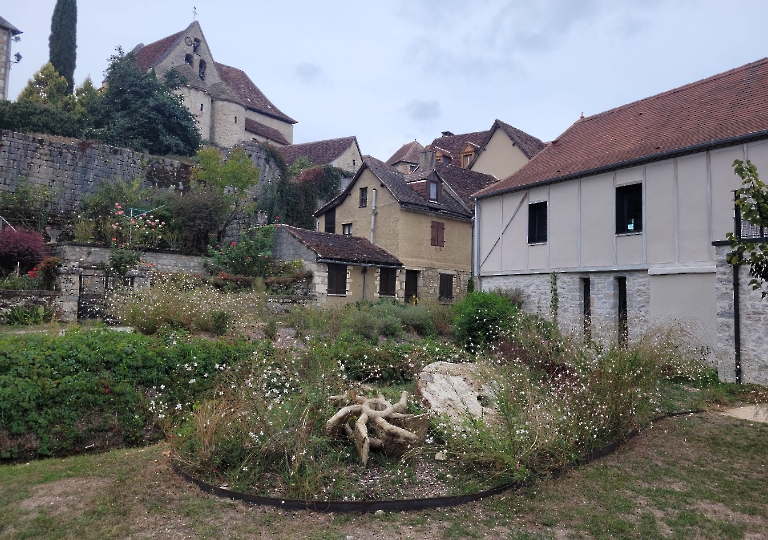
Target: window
346,229
537,223
201,71
466,160
438,233
188,59
363,197
201,107
337,279
388,282
629,209
196,46
330,221
434,191
446,287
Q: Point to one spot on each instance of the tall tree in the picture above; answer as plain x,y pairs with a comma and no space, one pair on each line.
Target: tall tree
62,44
47,87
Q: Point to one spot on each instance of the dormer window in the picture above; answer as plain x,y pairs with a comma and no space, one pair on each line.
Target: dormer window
466,160
196,46
434,191
188,59
201,71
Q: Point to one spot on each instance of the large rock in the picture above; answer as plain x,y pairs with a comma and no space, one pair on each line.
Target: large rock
457,390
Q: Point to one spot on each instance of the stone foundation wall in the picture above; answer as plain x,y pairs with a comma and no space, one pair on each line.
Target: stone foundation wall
754,325
428,285
604,300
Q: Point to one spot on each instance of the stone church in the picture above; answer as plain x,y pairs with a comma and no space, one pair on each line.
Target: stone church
228,106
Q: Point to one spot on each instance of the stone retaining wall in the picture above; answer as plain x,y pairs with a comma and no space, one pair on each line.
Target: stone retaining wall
163,261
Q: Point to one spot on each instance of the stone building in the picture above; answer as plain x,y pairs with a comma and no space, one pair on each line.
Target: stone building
629,209
343,153
228,106
423,218
7,33
345,268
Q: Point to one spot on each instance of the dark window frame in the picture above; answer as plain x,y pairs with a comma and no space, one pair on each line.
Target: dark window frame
337,279
346,229
438,234
436,186
629,209
537,222
445,291
201,69
363,197
387,281
330,221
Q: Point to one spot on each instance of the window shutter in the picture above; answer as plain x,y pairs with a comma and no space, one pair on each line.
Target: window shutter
440,234
332,278
434,233
392,281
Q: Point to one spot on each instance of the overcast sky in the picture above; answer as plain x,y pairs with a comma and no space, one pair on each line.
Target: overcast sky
393,71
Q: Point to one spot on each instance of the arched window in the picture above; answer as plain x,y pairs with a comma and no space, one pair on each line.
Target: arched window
201,71
188,59
196,46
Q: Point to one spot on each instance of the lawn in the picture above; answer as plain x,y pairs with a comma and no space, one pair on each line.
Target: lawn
694,476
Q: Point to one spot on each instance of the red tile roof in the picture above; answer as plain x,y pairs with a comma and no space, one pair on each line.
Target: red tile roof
338,247
408,153
317,152
723,109
249,94
258,128
149,55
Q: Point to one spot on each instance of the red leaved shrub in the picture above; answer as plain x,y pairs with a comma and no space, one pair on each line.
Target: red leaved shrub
23,247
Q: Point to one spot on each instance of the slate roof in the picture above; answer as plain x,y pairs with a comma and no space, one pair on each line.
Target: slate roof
9,26
338,247
528,144
249,94
410,189
317,152
408,153
454,144
724,109
257,128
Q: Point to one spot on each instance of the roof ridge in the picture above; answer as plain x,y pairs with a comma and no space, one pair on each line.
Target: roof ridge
674,90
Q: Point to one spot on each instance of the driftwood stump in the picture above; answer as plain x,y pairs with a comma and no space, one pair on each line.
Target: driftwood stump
397,431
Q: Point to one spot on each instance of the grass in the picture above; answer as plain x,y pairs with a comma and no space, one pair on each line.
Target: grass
698,476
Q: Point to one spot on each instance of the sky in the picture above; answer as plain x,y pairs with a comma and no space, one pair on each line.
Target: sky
391,71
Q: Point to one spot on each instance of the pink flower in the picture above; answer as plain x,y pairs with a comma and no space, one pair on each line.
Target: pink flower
233,242
114,239
133,221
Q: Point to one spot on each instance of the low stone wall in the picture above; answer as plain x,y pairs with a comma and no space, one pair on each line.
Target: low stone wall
163,261
26,299
537,298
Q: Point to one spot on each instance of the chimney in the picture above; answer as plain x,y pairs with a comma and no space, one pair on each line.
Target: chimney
426,160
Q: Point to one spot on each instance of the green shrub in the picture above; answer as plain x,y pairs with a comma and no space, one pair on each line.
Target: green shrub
29,315
219,322
28,117
66,390
251,256
480,318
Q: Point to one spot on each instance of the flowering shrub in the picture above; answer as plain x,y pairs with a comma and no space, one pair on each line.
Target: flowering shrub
180,301
127,231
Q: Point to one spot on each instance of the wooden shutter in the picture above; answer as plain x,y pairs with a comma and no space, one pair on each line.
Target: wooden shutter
330,221
438,233
446,287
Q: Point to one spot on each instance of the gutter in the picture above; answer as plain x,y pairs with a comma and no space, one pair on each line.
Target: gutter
353,263
678,152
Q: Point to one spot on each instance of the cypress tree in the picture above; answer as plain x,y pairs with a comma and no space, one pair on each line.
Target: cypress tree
63,40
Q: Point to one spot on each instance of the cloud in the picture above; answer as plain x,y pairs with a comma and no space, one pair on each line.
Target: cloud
308,73
423,111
